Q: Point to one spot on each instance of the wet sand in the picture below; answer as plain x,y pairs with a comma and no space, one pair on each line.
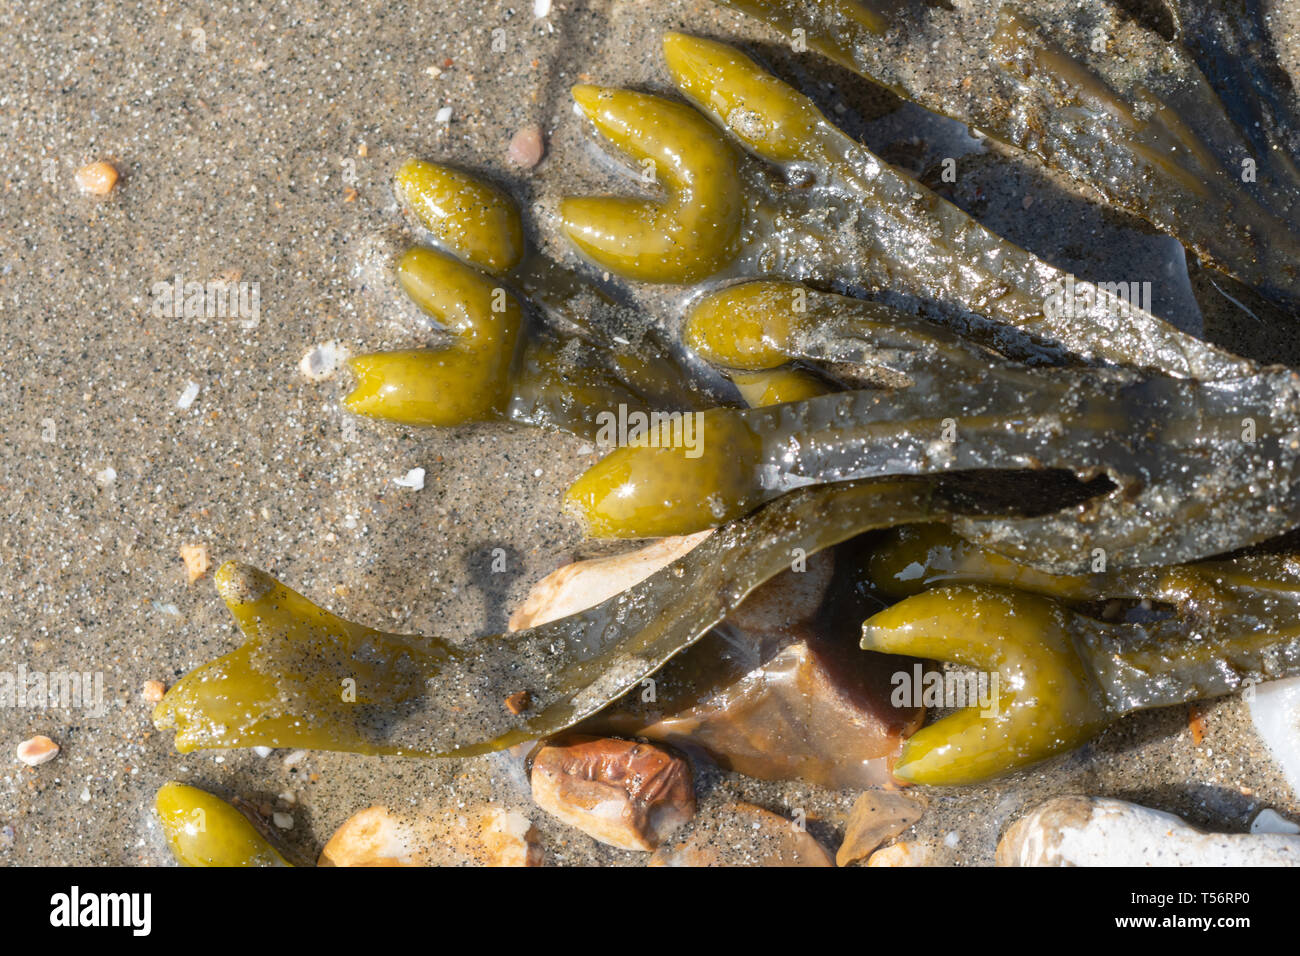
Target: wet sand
259,146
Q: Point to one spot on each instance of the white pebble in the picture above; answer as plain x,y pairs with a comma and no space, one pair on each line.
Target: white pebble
323,360
1100,831
187,397
541,8
107,476
1275,712
413,479
443,115
282,820
1270,821
262,752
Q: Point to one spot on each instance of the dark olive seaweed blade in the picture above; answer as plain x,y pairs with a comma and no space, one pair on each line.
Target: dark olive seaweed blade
864,223
1065,676
1235,623
1233,49
1137,123
1198,468
285,687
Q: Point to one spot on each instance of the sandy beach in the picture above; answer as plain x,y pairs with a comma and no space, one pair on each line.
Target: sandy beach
256,145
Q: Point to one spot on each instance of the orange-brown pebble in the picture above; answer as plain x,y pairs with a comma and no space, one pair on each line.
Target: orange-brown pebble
517,702
97,179
1196,723
526,147
478,835
197,562
624,793
153,691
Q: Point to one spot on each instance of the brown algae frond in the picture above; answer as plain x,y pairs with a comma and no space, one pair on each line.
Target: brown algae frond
467,381
860,414
204,830
864,223
1063,676
690,234
1127,115
307,678
556,364
472,218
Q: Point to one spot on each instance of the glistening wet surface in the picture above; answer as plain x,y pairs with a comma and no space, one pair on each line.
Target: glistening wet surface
257,145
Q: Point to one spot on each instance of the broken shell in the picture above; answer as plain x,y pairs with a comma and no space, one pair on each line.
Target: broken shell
625,794
1270,821
908,853
1098,831
478,836
320,362
37,750
583,584
877,816
813,712
197,562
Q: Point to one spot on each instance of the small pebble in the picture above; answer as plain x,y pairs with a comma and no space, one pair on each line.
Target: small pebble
526,147
37,750
187,397
196,560
107,476
413,479
443,115
262,752
323,360
282,820
295,757
1270,821
153,691
97,179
